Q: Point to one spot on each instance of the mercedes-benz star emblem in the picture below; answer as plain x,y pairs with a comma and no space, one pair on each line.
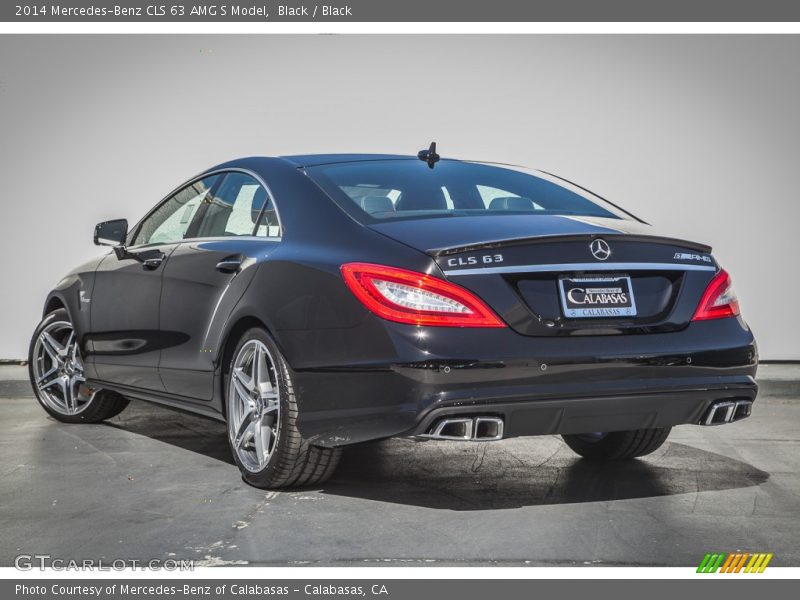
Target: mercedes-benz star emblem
600,249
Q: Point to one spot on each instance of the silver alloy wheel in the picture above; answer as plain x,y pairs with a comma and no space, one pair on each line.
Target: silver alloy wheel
58,369
254,406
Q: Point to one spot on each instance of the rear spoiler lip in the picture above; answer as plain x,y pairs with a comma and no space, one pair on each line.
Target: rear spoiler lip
545,239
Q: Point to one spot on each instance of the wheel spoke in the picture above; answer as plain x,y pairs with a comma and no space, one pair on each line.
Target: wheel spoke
258,367
52,347
54,381
73,352
67,396
268,396
69,348
243,379
245,428
41,380
271,403
242,393
261,438
75,390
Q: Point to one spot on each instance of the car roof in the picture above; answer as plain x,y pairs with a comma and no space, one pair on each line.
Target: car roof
311,160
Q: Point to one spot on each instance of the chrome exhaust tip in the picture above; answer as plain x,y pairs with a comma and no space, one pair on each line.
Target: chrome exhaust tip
466,429
744,408
488,429
452,429
728,411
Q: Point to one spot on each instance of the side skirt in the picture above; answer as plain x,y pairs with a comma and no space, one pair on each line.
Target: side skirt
180,403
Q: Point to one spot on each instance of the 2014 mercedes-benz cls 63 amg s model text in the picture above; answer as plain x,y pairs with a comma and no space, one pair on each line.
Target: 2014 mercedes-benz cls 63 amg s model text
313,302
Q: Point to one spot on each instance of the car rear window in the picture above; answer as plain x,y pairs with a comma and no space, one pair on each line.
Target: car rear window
409,188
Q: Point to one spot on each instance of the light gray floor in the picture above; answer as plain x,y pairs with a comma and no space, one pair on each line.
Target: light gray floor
155,484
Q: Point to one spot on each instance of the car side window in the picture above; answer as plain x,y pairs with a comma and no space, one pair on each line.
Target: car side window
172,219
240,206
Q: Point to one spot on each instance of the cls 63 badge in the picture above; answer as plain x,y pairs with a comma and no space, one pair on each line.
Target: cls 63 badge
466,261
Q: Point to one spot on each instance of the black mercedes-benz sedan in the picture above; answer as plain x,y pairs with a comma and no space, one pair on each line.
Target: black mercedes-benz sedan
312,302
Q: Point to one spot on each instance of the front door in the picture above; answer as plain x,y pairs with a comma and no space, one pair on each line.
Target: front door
126,340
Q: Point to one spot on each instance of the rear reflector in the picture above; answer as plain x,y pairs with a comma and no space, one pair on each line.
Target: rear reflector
719,300
415,298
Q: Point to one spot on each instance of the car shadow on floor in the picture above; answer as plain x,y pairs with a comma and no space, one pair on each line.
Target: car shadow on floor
183,430
475,476
508,475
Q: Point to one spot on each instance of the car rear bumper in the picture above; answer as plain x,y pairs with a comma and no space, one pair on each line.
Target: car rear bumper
649,409
537,386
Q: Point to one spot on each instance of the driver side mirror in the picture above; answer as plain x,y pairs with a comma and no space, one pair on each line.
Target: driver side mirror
111,233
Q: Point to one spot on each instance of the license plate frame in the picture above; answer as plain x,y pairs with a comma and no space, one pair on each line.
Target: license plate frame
604,295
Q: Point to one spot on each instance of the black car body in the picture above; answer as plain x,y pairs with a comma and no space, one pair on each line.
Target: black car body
159,321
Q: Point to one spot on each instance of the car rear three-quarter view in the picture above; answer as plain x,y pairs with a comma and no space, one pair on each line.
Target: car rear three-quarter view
313,302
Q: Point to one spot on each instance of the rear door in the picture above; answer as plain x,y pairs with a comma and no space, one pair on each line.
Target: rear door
207,275
126,339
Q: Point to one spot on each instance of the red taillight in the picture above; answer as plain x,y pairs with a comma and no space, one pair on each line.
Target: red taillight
415,298
719,300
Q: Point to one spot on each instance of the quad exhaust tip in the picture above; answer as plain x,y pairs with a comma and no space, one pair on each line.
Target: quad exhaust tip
467,429
728,411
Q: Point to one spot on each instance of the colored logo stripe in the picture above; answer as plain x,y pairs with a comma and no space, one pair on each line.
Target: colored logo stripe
727,564
758,563
710,563
734,563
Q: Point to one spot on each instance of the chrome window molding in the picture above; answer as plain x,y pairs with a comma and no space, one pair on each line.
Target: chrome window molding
135,230
228,238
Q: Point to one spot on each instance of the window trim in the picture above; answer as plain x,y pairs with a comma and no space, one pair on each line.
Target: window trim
222,172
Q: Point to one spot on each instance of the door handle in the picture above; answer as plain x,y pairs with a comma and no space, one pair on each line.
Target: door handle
230,264
151,264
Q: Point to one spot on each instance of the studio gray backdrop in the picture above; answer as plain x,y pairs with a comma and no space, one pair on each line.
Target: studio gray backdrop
699,135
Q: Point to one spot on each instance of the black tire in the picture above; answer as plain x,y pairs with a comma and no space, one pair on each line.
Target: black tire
104,404
294,461
617,445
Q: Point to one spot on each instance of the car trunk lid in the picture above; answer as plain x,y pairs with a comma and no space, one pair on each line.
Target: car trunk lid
548,275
